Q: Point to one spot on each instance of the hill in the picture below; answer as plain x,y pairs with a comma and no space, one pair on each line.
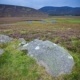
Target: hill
19,11
60,11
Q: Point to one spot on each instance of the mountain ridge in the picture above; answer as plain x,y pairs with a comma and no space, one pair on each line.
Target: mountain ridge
60,11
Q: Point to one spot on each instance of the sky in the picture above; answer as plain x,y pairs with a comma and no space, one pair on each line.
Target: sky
41,3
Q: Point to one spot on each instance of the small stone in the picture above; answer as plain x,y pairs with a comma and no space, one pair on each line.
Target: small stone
23,47
1,51
4,39
22,41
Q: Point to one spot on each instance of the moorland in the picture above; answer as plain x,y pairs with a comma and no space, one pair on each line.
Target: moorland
62,30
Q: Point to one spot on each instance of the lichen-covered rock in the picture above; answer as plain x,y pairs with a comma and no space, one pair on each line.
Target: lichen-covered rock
54,58
4,39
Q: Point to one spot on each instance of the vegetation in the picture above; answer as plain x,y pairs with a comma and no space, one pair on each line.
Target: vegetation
16,65
19,11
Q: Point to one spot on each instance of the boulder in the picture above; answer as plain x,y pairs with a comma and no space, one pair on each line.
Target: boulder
53,57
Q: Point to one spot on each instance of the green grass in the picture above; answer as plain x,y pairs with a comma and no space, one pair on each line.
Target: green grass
75,75
74,49
75,52
69,20
17,65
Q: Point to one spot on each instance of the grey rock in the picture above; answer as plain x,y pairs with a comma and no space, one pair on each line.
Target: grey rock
53,57
1,51
22,41
24,47
4,39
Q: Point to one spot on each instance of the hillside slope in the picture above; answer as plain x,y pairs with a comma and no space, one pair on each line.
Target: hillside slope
61,10
19,11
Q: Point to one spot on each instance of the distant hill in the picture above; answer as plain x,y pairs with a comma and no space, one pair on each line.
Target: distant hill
60,11
19,11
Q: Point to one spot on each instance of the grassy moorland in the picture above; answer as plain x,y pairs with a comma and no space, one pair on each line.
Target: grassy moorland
16,65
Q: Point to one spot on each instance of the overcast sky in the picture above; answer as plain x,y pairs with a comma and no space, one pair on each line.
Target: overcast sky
41,3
